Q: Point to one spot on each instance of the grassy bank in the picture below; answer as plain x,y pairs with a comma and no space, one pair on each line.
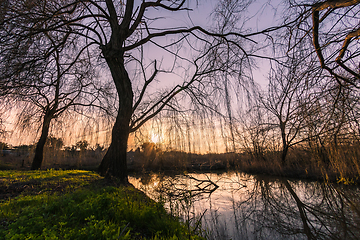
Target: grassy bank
57,204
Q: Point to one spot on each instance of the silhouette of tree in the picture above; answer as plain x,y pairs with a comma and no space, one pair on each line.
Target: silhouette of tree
120,32
288,101
54,143
51,83
82,145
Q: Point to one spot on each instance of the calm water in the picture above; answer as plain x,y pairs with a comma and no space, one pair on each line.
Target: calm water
241,206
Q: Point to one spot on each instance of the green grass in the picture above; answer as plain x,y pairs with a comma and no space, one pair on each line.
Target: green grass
58,204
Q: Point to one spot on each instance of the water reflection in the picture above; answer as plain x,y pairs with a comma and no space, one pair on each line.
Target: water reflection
240,206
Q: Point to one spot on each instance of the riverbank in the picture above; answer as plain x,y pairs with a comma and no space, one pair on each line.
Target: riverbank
336,166
75,204
343,168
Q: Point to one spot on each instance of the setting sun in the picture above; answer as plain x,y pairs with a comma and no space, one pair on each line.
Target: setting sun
155,138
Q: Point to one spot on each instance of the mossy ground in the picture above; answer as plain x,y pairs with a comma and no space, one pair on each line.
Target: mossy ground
74,204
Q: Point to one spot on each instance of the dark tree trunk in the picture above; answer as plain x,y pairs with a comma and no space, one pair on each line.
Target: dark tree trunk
284,143
114,162
284,154
39,151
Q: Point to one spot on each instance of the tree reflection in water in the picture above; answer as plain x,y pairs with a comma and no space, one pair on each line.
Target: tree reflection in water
240,206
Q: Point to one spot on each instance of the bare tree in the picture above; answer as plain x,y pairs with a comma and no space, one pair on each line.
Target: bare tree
289,98
120,31
61,82
333,28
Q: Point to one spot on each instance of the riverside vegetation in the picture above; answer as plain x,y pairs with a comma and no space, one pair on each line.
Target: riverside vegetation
341,164
74,204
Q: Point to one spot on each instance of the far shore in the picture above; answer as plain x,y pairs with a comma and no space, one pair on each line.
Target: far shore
299,165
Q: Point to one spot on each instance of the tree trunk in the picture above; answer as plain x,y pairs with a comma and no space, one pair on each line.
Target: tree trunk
39,151
284,154
284,143
114,162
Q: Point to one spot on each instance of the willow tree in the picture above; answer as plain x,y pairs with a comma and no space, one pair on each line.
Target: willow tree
122,33
64,84
41,75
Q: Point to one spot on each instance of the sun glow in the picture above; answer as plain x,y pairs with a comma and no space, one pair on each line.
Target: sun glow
155,138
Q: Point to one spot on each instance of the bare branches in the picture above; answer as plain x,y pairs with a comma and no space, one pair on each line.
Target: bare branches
185,30
147,82
63,42
316,8
334,4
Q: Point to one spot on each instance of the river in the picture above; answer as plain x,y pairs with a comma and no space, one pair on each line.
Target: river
235,205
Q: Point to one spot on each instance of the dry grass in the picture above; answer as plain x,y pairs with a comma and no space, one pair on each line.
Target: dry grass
341,164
